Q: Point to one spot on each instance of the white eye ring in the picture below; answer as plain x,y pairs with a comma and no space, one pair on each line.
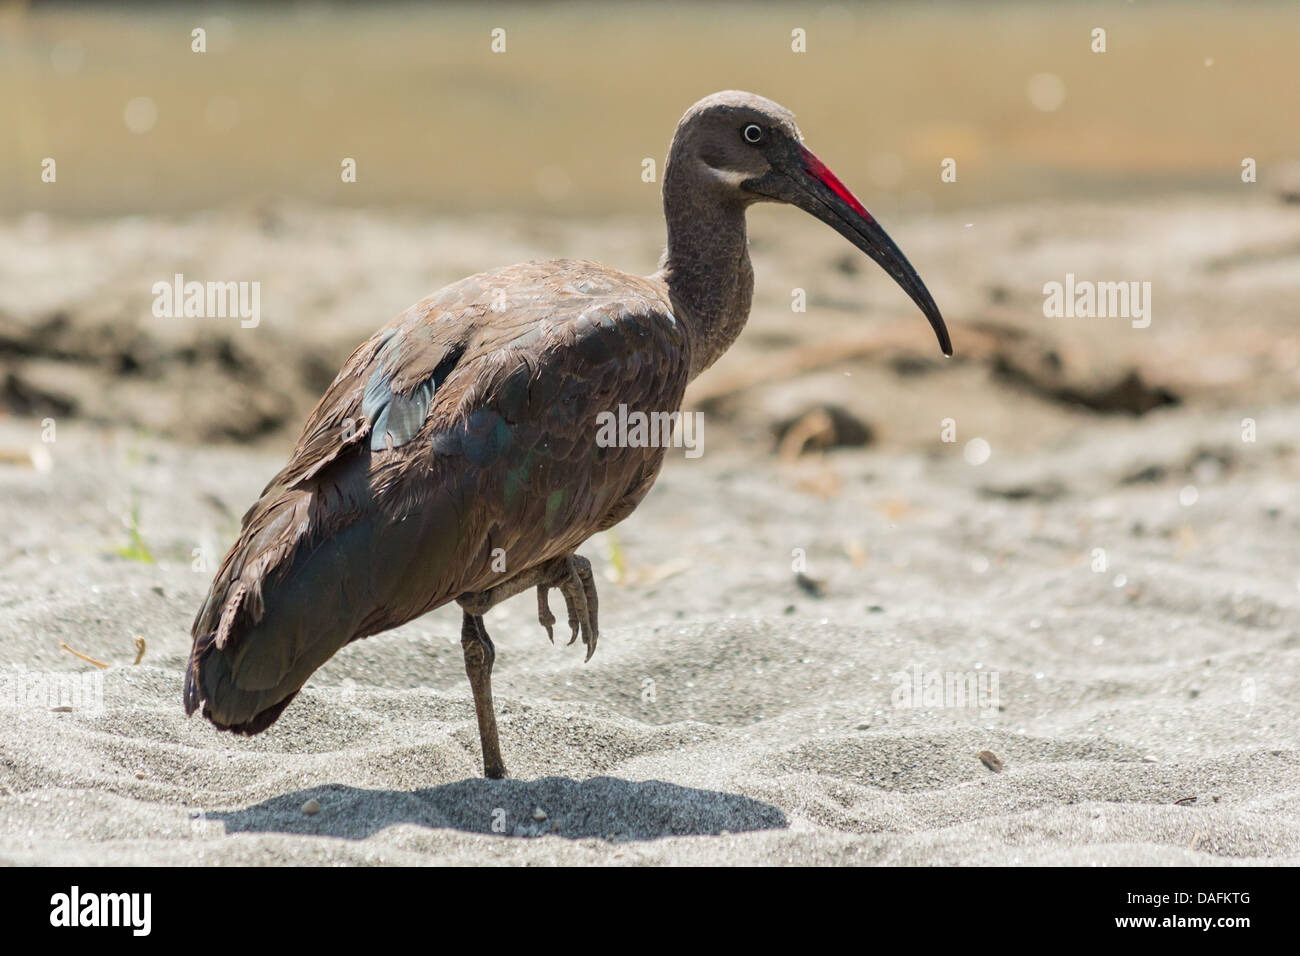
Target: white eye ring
752,133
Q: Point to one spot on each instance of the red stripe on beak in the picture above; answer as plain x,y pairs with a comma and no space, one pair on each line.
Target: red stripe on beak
820,171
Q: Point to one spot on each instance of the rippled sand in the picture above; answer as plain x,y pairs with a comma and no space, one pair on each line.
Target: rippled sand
1145,700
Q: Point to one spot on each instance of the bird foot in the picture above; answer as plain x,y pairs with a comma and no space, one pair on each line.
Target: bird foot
572,577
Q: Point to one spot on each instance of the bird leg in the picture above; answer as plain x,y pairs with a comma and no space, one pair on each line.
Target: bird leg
479,655
571,574
479,603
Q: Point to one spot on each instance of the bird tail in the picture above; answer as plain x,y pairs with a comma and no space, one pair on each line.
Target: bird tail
252,653
306,577
207,673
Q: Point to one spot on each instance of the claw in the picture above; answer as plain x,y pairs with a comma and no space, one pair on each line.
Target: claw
591,630
574,626
576,601
570,574
572,577
544,615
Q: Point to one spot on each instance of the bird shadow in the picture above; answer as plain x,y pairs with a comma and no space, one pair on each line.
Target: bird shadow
603,807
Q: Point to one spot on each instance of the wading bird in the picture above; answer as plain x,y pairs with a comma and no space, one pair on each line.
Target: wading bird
454,458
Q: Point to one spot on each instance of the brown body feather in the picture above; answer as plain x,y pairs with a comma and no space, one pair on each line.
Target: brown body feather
362,531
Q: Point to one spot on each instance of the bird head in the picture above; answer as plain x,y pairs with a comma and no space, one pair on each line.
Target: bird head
751,150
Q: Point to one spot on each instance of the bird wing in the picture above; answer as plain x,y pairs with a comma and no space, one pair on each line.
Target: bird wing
521,414
383,391
378,401
454,449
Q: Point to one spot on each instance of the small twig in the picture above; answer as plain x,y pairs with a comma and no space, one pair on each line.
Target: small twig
88,660
977,339
812,430
790,364
139,650
1184,801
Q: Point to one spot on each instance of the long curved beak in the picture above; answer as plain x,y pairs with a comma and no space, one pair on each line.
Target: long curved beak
822,194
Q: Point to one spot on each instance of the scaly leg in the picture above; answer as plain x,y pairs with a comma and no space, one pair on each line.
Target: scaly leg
479,655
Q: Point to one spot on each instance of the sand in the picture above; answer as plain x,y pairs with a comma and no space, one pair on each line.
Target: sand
734,713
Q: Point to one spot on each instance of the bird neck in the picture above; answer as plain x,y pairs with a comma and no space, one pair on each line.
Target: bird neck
706,264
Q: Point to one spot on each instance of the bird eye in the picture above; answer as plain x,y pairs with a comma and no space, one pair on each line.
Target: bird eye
752,133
